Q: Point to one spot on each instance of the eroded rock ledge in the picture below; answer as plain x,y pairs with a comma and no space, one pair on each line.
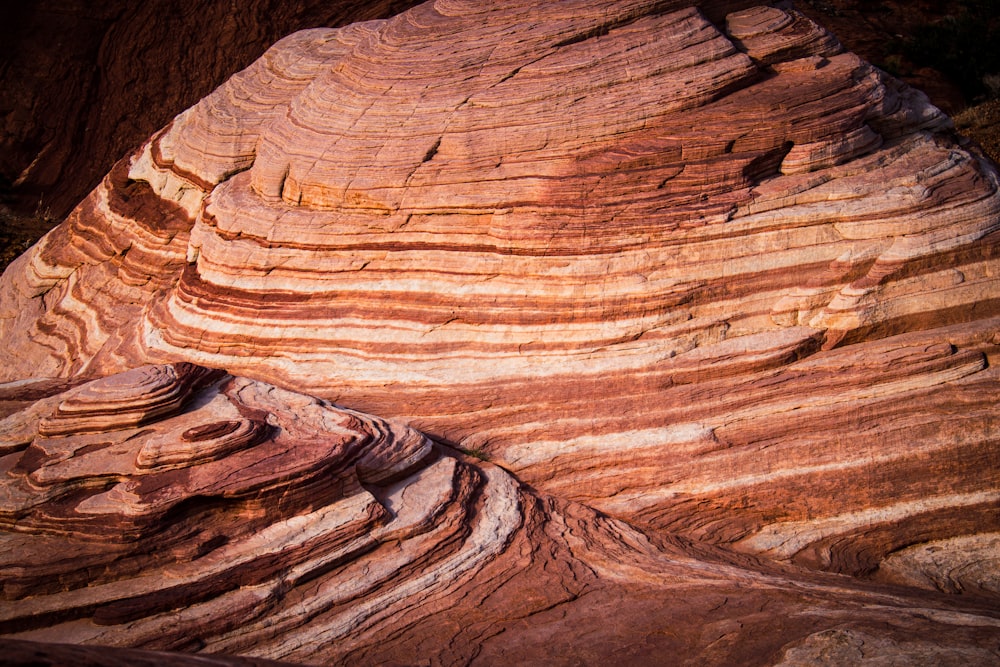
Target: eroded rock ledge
248,519
716,299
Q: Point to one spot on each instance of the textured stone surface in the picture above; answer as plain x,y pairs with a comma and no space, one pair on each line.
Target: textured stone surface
328,532
721,295
84,83
49,654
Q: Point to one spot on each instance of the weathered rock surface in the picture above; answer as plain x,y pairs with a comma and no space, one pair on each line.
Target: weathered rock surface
84,83
48,654
241,518
722,295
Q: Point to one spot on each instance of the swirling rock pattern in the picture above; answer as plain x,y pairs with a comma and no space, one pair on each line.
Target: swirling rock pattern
686,271
85,83
330,531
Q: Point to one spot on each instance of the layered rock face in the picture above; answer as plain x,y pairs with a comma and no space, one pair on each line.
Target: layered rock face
84,83
173,507
716,299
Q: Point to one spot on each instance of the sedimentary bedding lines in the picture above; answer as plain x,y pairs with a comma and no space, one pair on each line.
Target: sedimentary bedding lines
492,527
450,519
306,459
206,146
790,538
696,267
804,106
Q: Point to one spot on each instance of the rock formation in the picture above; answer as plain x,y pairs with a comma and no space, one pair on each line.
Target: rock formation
176,508
85,83
715,300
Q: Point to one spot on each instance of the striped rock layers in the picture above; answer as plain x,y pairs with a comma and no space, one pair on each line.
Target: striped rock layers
201,512
694,268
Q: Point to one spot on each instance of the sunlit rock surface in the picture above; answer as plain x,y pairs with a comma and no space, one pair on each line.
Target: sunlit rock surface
235,517
722,295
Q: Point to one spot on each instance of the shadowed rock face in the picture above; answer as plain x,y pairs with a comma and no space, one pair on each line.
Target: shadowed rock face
84,83
723,295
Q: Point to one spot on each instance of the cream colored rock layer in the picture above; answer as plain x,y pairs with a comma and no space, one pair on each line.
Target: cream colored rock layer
334,537
695,267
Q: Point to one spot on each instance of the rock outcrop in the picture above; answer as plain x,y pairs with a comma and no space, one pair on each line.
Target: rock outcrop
176,508
84,84
716,300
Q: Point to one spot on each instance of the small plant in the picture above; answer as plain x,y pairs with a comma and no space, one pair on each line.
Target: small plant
18,231
43,212
476,453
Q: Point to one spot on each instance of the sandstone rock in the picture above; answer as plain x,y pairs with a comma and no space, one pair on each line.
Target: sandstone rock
83,84
18,652
331,532
721,295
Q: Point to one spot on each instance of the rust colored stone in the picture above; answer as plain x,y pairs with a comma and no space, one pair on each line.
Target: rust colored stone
680,322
